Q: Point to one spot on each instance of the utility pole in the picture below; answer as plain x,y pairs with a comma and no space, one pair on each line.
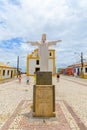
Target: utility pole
82,64
17,65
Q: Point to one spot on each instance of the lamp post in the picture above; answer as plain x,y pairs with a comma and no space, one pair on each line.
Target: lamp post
18,62
8,63
82,64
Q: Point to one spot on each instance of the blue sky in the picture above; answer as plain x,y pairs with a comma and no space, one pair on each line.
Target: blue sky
22,20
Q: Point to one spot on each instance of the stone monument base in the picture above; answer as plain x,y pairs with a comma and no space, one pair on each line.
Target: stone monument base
44,95
43,101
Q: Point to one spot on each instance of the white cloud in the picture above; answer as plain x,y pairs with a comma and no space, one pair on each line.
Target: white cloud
65,19
32,16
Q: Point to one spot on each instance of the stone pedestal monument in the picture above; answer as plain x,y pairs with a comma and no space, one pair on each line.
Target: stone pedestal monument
44,95
44,90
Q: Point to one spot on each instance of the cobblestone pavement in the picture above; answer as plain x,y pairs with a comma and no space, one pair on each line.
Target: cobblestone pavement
71,106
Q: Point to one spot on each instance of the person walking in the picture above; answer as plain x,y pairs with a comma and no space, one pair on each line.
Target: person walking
19,77
58,76
27,80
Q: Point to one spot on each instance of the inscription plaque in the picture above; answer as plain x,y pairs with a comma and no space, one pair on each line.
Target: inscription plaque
44,100
44,78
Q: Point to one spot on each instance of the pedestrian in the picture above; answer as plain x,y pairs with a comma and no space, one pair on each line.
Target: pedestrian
58,76
27,79
19,77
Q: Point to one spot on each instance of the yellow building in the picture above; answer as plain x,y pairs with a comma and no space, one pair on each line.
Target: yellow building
85,70
6,71
33,63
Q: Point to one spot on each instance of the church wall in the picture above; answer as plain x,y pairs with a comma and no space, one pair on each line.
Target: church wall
32,64
50,65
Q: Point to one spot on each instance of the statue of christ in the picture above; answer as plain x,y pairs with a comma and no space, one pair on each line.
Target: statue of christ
43,51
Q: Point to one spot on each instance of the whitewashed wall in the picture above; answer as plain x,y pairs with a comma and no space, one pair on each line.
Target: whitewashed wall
50,65
32,64
76,69
6,75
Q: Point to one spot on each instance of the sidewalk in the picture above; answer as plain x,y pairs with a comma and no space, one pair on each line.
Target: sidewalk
7,80
73,78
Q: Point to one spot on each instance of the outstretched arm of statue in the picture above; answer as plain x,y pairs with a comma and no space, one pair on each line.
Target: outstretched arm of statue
33,43
53,42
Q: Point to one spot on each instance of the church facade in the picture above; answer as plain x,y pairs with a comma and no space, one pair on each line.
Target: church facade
33,62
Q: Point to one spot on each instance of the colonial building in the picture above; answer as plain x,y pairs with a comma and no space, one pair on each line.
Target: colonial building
85,70
33,62
76,70
6,71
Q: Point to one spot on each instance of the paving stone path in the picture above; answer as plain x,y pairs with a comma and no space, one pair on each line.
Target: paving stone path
71,106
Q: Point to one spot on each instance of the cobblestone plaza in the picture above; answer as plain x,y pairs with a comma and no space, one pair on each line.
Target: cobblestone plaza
71,106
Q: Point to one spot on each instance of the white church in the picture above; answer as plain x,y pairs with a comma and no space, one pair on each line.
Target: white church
33,62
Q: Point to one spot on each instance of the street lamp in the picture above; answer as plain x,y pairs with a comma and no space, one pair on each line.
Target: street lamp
8,63
18,68
82,64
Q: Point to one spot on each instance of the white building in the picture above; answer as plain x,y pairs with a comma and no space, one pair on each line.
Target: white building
33,63
6,71
78,70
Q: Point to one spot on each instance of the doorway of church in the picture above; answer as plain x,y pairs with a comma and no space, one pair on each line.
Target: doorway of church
37,69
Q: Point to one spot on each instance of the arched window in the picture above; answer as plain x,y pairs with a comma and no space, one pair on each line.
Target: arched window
37,62
50,54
